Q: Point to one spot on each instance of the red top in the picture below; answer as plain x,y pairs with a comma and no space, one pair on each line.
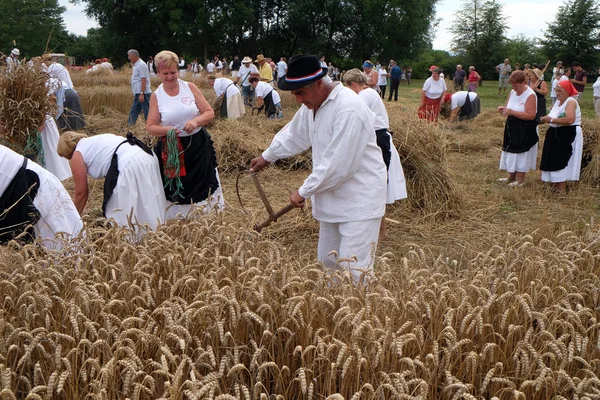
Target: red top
473,77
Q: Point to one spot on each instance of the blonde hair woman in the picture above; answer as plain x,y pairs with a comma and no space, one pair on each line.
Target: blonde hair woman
178,113
396,186
132,186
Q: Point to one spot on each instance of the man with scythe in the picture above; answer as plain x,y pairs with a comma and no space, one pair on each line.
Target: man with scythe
348,182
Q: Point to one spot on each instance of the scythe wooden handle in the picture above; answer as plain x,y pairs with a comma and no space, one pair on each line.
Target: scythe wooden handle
273,217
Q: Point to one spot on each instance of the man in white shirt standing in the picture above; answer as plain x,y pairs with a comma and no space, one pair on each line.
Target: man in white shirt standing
281,68
13,59
210,68
246,70
348,182
140,86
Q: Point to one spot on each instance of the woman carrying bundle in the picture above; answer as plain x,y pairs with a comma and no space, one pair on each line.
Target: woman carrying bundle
519,147
132,186
396,186
188,163
563,147
34,205
434,89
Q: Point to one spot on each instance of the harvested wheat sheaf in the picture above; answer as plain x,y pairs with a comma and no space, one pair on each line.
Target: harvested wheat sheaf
24,103
208,309
590,173
423,149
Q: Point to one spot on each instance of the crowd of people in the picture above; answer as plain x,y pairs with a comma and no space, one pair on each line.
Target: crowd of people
180,175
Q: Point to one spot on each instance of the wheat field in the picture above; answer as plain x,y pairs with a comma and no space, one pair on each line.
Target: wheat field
480,293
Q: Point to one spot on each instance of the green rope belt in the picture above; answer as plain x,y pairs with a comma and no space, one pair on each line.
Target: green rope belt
34,147
173,182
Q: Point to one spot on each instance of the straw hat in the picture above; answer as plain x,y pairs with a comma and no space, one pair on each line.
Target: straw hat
260,58
246,60
15,52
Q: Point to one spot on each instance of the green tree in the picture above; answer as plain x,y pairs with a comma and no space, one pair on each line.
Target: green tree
34,26
575,34
478,35
523,50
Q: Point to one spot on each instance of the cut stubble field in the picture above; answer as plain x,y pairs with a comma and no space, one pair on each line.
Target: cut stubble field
481,291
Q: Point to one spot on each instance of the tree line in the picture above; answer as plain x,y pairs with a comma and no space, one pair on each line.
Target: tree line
344,31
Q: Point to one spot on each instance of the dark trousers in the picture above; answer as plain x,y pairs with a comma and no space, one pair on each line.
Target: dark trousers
138,107
394,83
382,89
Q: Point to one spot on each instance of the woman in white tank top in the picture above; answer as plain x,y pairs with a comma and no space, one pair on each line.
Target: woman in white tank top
178,112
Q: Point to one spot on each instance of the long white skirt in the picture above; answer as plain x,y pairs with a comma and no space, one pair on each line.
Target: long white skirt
519,162
54,163
60,219
216,201
396,187
138,196
573,169
235,106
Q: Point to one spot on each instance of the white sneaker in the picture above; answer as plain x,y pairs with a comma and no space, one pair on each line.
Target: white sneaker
516,184
503,180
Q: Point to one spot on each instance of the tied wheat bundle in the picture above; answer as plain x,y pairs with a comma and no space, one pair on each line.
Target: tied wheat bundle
24,103
239,141
590,163
422,149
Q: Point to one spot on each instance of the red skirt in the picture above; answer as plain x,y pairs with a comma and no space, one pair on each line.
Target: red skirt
431,110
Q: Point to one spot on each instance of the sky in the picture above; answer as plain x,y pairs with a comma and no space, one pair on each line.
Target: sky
529,17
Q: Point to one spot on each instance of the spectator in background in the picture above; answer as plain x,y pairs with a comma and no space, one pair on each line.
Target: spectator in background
559,66
225,66
234,66
596,88
323,63
408,75
459,78
371,74
246,71
559,75
580,79
395,74
281,68
182,67
517,66
13,59
264,70
210,68
140,86
330,70
382,80
473,79
151,66
503,70
106,65
433,92
218,65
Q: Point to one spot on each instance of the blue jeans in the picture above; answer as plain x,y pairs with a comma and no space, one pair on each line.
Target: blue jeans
137,107
248,94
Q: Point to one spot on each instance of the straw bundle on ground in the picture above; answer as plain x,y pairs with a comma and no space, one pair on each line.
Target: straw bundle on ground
24,103
590,164
237,142
422,149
